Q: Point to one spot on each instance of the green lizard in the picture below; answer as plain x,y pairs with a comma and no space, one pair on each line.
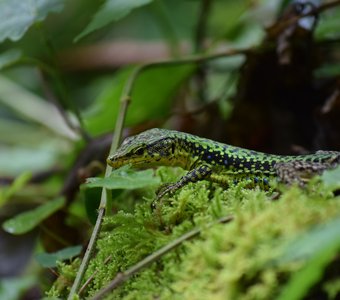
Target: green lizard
214,161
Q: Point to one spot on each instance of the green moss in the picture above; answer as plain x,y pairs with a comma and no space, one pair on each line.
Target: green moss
237,260
62,285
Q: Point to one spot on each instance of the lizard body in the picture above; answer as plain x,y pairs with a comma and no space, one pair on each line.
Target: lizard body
214,161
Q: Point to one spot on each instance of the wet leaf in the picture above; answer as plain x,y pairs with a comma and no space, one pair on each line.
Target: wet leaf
26,221
125,178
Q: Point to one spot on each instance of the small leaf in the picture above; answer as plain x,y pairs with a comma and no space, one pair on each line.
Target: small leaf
13,288
112,10
49,260
9,57
17,16
313,242
124,178
331,178
26,221
318,247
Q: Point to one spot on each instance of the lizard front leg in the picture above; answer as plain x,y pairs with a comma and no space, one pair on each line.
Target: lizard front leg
199,173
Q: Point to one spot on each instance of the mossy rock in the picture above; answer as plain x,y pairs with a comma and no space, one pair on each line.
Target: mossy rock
245,258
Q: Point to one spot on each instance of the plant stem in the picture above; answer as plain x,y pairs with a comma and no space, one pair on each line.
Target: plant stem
124,102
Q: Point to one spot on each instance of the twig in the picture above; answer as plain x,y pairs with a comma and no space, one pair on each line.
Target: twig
124,276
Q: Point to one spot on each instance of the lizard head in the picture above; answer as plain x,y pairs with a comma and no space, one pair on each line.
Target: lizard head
154,147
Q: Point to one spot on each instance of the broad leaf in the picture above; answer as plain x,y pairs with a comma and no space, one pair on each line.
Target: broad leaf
125,178
26,221
320,246
112,10
151,97
313,242
49,260
29,105
17,16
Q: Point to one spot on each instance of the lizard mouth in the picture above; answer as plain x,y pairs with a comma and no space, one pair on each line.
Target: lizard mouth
139,163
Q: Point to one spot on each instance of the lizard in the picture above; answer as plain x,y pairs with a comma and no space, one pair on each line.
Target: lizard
205,159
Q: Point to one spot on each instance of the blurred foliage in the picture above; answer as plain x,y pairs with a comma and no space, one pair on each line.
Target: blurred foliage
64,66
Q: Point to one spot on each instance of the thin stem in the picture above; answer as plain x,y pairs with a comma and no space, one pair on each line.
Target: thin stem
124,102
124,276
86,258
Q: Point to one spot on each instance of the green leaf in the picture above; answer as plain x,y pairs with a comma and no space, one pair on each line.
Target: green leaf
112,10
151,97
124,178
49,260
17,185
9,57
26,221
17,16
328,25
15,160
313,242
328,71
32,107
331,178
322,245
302,281
14,288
